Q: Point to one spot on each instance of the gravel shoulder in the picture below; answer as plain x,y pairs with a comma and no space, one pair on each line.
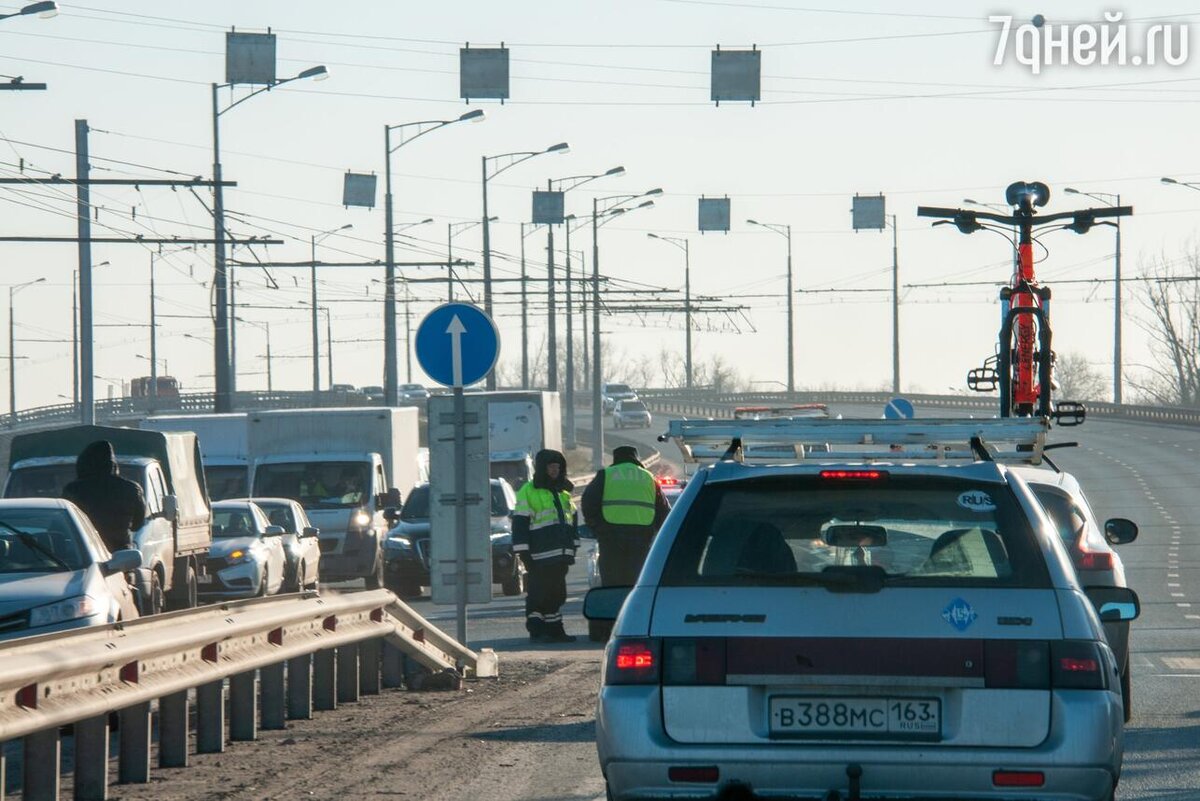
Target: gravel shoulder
524,736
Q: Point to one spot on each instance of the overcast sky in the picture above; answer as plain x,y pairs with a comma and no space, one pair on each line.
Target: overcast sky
855,98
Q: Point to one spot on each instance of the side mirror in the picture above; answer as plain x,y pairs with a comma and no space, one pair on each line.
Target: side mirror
311,532
170,508
274,531
1114,604
1120,531
391,498
604,603
122,562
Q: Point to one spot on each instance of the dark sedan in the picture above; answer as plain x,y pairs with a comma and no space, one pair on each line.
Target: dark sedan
407,549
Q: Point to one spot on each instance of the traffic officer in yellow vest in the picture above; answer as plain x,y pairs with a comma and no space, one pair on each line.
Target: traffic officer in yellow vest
545,536
624,507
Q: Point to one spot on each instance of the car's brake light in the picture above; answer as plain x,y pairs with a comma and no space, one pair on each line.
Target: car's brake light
1094,560
854,475
1077,665
1018,778
667,481
633,661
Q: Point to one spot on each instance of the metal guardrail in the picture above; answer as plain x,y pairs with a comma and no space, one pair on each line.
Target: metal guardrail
283,659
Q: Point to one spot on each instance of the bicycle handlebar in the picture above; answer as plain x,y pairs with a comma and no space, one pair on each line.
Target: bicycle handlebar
971,214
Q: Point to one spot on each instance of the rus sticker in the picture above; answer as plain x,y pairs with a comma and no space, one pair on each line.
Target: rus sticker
976,501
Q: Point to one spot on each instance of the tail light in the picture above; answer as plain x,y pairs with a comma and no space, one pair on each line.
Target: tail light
1016,664
694,661
633,660
667,481
854,475
1077,665
1093,560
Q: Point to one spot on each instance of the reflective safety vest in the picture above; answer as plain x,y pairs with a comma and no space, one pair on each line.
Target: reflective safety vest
549,536
629,494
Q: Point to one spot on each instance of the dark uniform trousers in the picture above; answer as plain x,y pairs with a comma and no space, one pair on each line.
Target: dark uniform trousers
546,592
622,555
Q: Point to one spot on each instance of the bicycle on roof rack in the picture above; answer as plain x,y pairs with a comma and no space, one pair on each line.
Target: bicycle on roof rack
1022,366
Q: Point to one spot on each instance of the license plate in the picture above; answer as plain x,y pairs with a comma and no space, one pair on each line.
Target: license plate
856,717
204,578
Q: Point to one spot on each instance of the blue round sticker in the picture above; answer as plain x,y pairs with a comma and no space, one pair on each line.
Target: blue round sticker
457,344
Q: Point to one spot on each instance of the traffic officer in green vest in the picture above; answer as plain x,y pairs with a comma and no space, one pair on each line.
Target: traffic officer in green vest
545,536
624,507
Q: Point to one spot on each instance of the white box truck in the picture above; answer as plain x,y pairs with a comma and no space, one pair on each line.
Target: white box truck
519,425
348,467
223,446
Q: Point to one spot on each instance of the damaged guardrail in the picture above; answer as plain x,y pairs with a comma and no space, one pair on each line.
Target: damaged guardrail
277,658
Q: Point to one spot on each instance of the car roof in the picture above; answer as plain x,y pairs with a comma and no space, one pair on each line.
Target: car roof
34,503
263,501
730,471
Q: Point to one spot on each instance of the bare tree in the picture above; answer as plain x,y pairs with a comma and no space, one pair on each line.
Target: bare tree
1077,379
1173,299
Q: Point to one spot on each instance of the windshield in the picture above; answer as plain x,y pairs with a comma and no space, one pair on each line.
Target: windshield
47,481
411,387
416,507
226,481
916,529
233,523
619,389
316,485
40,541
280,514
499,502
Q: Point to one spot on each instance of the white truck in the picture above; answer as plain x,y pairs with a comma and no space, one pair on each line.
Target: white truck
223,446
519,425
348,468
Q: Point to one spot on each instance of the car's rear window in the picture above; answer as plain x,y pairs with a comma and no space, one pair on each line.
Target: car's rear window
633,406
918,530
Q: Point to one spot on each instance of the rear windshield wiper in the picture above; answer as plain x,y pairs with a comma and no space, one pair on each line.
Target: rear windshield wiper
31,542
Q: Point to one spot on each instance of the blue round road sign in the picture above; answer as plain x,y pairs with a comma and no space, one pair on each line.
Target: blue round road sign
899,409
457,344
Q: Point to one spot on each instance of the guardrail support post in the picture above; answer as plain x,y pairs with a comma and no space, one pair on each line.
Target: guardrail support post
300,687
134,764
243,707
324,695
393,666
3,765
368,666
91,759
173,730
42,758
210,717
271,709
347,673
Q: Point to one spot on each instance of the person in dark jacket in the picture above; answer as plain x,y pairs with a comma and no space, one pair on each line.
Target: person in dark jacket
545,536
115,505
624,507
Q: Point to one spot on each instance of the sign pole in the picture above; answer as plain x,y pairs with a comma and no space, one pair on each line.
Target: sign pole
460,511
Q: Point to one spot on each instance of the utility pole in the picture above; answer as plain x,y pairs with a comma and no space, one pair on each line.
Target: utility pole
83,215
895,304
524,316
551,315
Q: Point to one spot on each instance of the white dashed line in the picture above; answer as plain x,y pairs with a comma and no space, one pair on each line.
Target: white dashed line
1183,606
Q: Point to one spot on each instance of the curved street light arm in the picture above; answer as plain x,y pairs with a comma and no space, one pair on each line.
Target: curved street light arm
256,92
778,228
423,127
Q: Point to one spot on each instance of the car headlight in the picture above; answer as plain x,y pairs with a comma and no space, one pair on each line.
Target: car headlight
62,611
360,519
501,538
236,557
403,543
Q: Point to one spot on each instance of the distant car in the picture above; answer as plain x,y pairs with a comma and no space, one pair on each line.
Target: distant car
301,542
671,487
408,544
413,393
373,394
55,572
1096,563
611,393
631,414
246,558
348,389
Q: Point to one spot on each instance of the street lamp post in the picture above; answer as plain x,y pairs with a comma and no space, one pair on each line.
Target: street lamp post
154,321
682,244
12,357
610,204
525,310
510,160
266,327
222,372
75,329
409,132
1111,199
316,343
786,232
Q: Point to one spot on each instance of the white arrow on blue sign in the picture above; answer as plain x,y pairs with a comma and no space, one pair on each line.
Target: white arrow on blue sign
899,409
457,344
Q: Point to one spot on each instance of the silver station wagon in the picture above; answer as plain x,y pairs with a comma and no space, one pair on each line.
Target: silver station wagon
859,622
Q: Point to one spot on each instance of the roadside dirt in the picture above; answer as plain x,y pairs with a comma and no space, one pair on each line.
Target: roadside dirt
527,735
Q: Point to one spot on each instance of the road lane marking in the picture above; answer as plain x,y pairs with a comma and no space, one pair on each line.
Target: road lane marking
1182,662
1169,584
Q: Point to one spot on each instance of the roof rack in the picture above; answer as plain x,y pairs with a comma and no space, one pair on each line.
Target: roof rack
1021,439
